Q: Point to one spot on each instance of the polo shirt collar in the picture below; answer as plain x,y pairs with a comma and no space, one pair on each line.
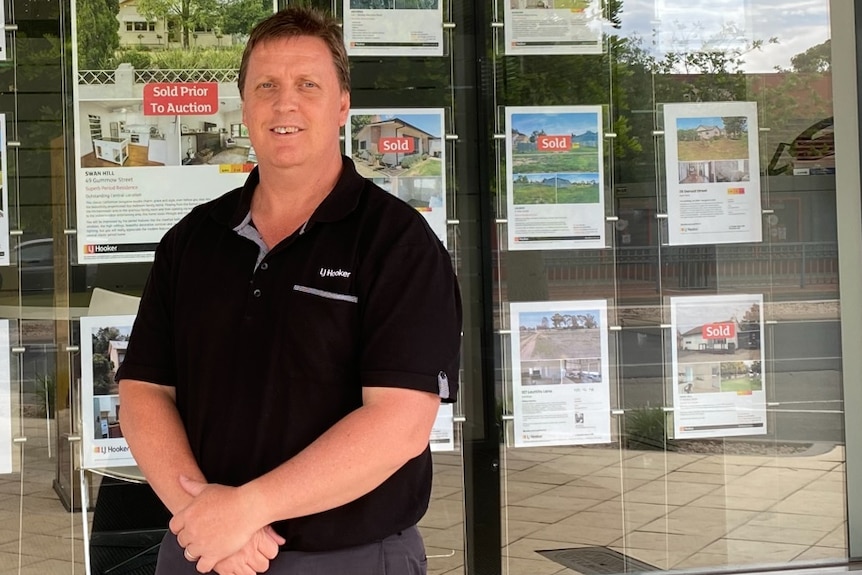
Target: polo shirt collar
340,202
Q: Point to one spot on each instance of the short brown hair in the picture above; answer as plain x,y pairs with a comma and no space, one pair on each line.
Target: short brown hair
294,22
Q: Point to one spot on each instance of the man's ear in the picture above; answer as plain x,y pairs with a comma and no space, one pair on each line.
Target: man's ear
344,109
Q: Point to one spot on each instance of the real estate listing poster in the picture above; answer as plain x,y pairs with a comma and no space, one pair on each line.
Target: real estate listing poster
702,25
443,432
3,29
158,120
6,465
555,178
560,373
553,27
718,377
393,27
402,151
713,173
104,340
4,194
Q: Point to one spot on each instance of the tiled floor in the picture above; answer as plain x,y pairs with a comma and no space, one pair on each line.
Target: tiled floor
671,510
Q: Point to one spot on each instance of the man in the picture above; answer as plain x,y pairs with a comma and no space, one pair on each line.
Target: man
293,344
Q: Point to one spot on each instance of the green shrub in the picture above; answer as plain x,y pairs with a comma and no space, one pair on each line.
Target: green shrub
227,58
139,59
645,428
408,161
47,394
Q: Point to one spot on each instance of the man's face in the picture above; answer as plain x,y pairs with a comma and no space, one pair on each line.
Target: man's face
293,105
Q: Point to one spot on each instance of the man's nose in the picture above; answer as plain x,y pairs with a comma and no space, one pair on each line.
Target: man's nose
285,99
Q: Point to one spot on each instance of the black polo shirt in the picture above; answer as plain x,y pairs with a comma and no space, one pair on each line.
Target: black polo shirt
266,356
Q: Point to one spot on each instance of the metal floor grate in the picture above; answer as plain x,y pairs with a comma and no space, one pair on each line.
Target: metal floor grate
596,561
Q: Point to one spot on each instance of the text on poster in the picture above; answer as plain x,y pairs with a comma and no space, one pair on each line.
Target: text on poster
553,143
170,99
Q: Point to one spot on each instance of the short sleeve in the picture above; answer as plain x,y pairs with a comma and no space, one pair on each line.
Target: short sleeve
150,354
411,319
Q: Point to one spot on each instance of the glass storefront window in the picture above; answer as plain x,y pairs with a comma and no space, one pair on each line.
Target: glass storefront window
675,395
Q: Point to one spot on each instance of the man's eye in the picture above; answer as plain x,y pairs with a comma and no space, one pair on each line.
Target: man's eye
266,85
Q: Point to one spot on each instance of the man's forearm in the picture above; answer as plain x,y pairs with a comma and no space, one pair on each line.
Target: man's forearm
348,461
156,436
353,457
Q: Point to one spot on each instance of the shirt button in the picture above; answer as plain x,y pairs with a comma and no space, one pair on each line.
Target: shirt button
264,266
256,293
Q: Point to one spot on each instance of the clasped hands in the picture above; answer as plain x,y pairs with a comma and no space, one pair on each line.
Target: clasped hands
218,532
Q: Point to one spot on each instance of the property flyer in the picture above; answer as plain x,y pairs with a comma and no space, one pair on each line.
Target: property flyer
104,340
393,27
402,151
443,432
702,25
3,28
5,399
713,173
718,378
560,373
555,178
158,121
553,27
4,196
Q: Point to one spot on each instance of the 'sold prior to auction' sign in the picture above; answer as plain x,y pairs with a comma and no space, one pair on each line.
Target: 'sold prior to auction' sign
168,99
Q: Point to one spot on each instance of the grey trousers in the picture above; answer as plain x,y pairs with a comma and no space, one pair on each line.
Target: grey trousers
399,554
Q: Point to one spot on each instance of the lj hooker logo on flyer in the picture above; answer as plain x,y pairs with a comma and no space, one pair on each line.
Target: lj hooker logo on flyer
170,99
